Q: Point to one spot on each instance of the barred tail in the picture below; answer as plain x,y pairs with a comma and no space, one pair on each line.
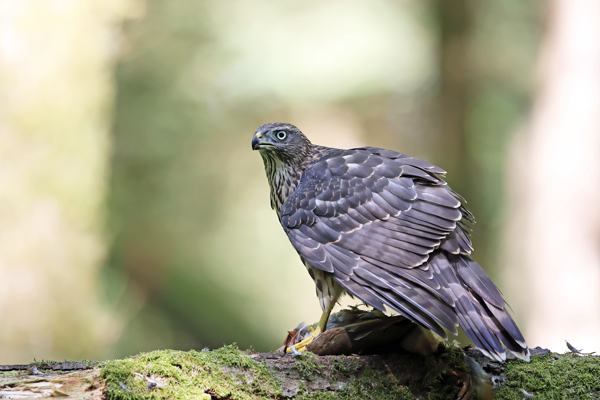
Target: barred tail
480,308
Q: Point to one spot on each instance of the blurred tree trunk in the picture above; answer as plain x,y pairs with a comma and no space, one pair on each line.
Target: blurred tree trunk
56,93
455,72
553,241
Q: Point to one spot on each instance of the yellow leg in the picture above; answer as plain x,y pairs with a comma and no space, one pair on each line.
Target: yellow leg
301,346
328,292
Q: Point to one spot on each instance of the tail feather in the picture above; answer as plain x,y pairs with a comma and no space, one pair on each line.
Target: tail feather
469,316
511,335
461,294
483,317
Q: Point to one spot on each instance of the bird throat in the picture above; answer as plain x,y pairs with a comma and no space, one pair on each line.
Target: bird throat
283,178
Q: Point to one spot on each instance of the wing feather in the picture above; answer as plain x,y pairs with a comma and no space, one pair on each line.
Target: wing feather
393,233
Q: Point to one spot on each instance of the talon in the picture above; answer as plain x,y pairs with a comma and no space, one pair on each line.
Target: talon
301,346
293,351
314,332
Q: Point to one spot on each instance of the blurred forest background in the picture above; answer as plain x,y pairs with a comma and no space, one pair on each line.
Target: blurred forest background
136,217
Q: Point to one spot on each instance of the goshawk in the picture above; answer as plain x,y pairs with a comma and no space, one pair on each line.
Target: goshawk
387,229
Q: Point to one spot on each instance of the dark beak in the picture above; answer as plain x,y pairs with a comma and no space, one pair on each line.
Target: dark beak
256,142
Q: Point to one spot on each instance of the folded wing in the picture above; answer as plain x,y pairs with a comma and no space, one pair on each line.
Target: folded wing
393,233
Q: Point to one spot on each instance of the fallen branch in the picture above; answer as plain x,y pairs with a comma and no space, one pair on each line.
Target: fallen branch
229,373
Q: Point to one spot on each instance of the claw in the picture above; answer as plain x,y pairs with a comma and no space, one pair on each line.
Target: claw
314,332
293,351
301,346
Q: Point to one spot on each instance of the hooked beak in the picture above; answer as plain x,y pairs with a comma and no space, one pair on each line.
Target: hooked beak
258,142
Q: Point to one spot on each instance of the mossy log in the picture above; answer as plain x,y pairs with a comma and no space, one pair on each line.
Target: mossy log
229,373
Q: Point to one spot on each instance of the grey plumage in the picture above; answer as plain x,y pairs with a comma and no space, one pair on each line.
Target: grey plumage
387,229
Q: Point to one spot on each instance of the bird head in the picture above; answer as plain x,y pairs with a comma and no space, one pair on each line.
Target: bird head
281,141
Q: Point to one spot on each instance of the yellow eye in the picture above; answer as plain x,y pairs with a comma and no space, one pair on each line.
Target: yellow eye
281,135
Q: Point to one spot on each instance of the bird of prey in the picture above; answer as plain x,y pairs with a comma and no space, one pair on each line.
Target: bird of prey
385,228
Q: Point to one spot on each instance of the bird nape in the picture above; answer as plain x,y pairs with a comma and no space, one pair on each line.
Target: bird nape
385,228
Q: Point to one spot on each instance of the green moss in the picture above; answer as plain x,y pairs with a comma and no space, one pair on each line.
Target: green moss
439,382
307,365
10,374
553,376
367,385
440,375
550,376
200,375
190,375
343,365
365,388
